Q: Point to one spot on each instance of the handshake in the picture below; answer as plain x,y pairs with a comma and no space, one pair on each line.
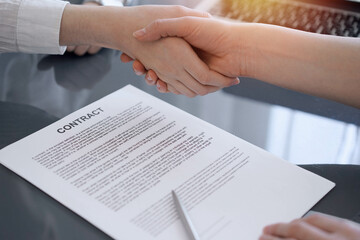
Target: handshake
174,47
185,51
195,56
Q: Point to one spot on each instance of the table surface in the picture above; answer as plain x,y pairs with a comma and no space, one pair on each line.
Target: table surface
36,90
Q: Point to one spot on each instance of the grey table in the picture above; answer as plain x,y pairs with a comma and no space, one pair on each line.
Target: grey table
36,90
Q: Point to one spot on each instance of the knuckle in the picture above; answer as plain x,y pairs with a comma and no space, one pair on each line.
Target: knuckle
203,91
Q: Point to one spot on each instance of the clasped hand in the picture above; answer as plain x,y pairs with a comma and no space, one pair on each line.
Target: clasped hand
172,59
205,68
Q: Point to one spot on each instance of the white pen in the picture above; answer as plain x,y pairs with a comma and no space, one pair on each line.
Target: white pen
185,219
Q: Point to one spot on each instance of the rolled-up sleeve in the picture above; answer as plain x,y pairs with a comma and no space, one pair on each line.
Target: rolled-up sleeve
31,26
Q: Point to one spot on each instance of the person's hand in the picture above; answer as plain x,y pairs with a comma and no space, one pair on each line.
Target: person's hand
150,76
215,41
316,227
81,50
172,59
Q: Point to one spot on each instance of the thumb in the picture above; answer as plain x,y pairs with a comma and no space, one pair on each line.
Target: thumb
161,28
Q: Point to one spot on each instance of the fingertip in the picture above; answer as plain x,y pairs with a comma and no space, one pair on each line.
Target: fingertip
231,81
207,15
138,73
150,83
138,68
219,80
81,50
151,77
125,58
139,33
80,54
70,48
267,229
93,50
235,81
161,86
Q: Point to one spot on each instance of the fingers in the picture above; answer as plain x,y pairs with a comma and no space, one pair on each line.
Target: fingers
82,50
205,76
326,222
298,229
151,78
138,68
173,90
125,58
192,84
70,48
161,86
179,86
165,88
182,89
203,86
93,50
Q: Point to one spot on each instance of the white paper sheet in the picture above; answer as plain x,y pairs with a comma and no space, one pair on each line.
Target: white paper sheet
115,162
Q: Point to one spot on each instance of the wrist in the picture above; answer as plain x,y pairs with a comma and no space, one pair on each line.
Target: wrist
88,25
246,48
75,26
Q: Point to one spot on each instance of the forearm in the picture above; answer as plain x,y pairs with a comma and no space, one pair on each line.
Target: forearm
112,27
320,65
86,25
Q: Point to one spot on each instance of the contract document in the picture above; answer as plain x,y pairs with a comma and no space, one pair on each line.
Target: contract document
115,162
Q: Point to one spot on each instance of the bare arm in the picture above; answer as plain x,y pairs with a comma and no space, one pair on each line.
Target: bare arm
320,65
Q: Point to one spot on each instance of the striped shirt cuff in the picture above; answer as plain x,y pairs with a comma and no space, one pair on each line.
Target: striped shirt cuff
38,26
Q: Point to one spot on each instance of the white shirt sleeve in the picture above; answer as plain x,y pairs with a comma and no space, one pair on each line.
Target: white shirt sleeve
31,26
